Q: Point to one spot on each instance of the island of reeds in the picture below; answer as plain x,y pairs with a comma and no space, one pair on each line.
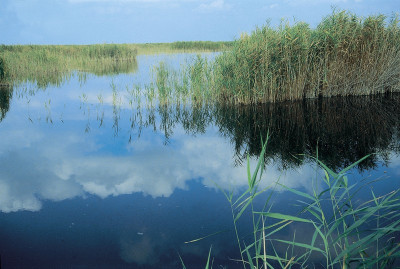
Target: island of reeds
344,55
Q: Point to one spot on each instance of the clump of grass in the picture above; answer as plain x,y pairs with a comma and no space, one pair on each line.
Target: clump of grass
193,82
163,82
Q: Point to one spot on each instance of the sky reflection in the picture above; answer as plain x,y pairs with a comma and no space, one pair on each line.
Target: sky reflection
74,141
88,178
60,163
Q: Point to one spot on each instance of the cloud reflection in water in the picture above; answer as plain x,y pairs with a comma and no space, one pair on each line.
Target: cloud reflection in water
41,168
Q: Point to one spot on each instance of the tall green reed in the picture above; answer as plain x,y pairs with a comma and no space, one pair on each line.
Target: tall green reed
344,55
162,81
191,83
343,232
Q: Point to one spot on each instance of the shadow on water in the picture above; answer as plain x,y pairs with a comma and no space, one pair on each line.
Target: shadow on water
6,93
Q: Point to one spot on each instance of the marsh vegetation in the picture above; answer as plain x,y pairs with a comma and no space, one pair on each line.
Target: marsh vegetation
46,65
342,229
344,55
302,86
53,64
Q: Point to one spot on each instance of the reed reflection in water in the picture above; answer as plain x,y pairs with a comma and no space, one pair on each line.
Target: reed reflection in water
339,130
6,93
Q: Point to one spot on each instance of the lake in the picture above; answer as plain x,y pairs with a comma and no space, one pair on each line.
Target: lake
94,174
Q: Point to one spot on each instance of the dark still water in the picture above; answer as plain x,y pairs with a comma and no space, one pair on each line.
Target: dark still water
93,174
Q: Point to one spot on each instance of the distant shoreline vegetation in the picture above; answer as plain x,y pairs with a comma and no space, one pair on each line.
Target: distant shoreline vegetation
183,46
344,55
53,64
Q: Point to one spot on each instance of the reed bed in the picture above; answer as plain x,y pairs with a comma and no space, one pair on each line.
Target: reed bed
344,55
183,47
45,64
54,64
201,45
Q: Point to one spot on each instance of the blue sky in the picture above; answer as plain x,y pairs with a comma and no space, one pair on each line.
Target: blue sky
141,21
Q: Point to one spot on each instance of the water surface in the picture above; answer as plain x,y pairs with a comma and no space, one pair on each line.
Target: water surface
93,174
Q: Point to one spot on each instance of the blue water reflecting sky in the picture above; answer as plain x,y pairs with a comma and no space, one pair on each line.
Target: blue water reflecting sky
76,190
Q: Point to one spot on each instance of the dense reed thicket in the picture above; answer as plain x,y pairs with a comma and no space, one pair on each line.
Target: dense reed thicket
52,64
344,55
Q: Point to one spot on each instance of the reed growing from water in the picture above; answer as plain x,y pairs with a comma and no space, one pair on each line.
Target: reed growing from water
53,64
344,229
344,55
